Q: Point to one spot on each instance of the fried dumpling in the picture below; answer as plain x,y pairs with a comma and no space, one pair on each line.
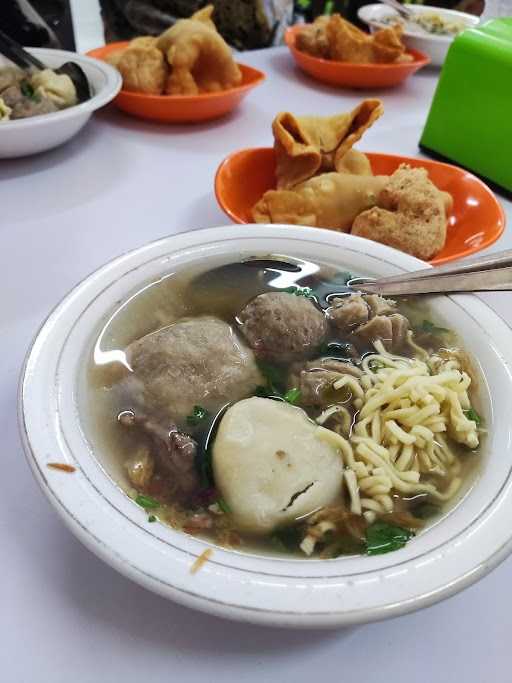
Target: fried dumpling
331,200
200,59
307,145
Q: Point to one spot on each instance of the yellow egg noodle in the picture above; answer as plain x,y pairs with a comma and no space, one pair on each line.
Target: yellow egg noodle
405,409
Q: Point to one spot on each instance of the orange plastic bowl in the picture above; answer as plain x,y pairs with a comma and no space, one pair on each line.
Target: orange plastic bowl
182,108
477,219
349,75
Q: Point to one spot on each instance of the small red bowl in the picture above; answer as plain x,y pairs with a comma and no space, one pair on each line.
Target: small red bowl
348,75
182,108
477,219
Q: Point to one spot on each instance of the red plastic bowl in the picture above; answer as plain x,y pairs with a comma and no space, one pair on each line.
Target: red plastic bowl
348,75
182,108
477,219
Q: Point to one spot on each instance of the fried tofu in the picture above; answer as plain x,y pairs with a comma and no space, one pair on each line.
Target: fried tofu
410,215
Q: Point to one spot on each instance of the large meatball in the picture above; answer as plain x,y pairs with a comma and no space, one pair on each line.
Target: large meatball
198,361
283,327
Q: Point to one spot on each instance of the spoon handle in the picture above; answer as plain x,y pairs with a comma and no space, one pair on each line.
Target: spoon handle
398,7
488,262
496,279
17,54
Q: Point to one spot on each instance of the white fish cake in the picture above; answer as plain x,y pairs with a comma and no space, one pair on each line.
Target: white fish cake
270,466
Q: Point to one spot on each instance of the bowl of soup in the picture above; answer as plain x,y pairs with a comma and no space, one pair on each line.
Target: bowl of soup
432,29
227,420
40,111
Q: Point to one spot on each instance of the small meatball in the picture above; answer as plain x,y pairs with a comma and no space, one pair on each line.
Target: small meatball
23,107
379,327
271,465
282,327
12,96
379,305
315,379
199,361
346,313
140,468
176,453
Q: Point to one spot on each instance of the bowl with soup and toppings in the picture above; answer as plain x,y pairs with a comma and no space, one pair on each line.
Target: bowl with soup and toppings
227,420
432,29
40,110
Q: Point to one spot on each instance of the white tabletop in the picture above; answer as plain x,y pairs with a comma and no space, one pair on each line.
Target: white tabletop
66,616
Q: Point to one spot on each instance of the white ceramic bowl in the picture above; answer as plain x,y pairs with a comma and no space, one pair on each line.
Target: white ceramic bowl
472,538
40,133
433,45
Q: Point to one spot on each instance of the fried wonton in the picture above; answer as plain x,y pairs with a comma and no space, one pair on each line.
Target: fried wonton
331,200
200,59
410,214
307,145
337,39
347,43
313,38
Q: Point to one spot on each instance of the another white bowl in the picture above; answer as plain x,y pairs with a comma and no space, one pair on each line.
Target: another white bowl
472,539
433,45
39,133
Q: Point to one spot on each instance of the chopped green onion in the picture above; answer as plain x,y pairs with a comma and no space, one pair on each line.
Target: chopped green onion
471,414
384,538
329,7
147,502
300,291
429,327
27,89
292,396
151,518
198,415
275,378
223,506
375,365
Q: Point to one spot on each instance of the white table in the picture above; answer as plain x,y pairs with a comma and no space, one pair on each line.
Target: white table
66,616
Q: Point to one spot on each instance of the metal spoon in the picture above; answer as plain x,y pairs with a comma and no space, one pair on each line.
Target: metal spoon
484,274
403,11
17,54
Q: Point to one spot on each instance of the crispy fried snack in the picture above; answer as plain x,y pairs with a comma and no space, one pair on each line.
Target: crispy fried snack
200,59
332,200
388,46
410,214
141,65
313,38
307,145
337,39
